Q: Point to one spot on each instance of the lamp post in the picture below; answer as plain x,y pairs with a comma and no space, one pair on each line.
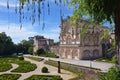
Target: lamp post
90,60
59,71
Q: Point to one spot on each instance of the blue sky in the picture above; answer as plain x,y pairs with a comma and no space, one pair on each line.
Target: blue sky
9,22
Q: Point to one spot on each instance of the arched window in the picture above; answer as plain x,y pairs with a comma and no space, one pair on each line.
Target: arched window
86,54
96,53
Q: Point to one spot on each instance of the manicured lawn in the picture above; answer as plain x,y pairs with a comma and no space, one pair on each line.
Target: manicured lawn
9,76
34,58
44,77
5,67
79,74
24,66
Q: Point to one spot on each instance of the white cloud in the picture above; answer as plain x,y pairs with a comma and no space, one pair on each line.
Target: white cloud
13,30
15,33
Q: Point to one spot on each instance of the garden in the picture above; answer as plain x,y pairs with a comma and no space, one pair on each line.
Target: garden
23,67
9,76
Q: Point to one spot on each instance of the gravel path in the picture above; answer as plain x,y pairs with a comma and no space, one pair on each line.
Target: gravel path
100,65
66,75
14,66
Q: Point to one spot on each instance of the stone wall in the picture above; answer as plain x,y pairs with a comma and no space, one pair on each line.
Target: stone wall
55,49
77,68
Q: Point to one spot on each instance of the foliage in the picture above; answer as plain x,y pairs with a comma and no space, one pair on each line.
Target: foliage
5,67
44,70
9,76
108,59
21,58
49,54
34,58
97,10
24,66
114,59
79,74
6,44
112,74
40,51
44,77
25,46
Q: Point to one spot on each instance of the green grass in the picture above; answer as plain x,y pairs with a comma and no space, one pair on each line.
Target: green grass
5,67
34,58
9,76
78,73
24,66
44,77
108,60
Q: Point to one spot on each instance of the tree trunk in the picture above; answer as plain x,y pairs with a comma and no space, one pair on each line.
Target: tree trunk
117,35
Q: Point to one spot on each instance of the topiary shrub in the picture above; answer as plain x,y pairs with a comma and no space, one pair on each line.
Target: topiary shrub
21,58
44,70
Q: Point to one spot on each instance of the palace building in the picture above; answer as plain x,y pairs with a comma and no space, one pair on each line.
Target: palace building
80,41
41,42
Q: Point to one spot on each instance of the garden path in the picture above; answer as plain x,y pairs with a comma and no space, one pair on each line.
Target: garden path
66,75
88,63
14,66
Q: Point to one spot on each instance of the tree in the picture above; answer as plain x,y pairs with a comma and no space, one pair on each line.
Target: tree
25,46
113,74
99,11
40,51
7,47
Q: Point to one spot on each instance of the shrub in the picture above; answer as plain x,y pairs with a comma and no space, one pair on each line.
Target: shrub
21,58
114,59
5,67
9,76
57,78
112,74
40,51
44,70
44,78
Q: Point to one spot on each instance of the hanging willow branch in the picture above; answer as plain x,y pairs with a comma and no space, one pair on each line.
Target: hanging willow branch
32,9
39,11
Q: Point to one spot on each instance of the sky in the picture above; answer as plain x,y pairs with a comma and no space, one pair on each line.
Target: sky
9,22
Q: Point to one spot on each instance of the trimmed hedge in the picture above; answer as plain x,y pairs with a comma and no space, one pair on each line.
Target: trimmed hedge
24,66
34,58
9,76
21,58
44,70
44,77
5,67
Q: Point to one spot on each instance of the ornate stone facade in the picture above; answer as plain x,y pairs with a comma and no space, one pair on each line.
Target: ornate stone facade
41,42
77,42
